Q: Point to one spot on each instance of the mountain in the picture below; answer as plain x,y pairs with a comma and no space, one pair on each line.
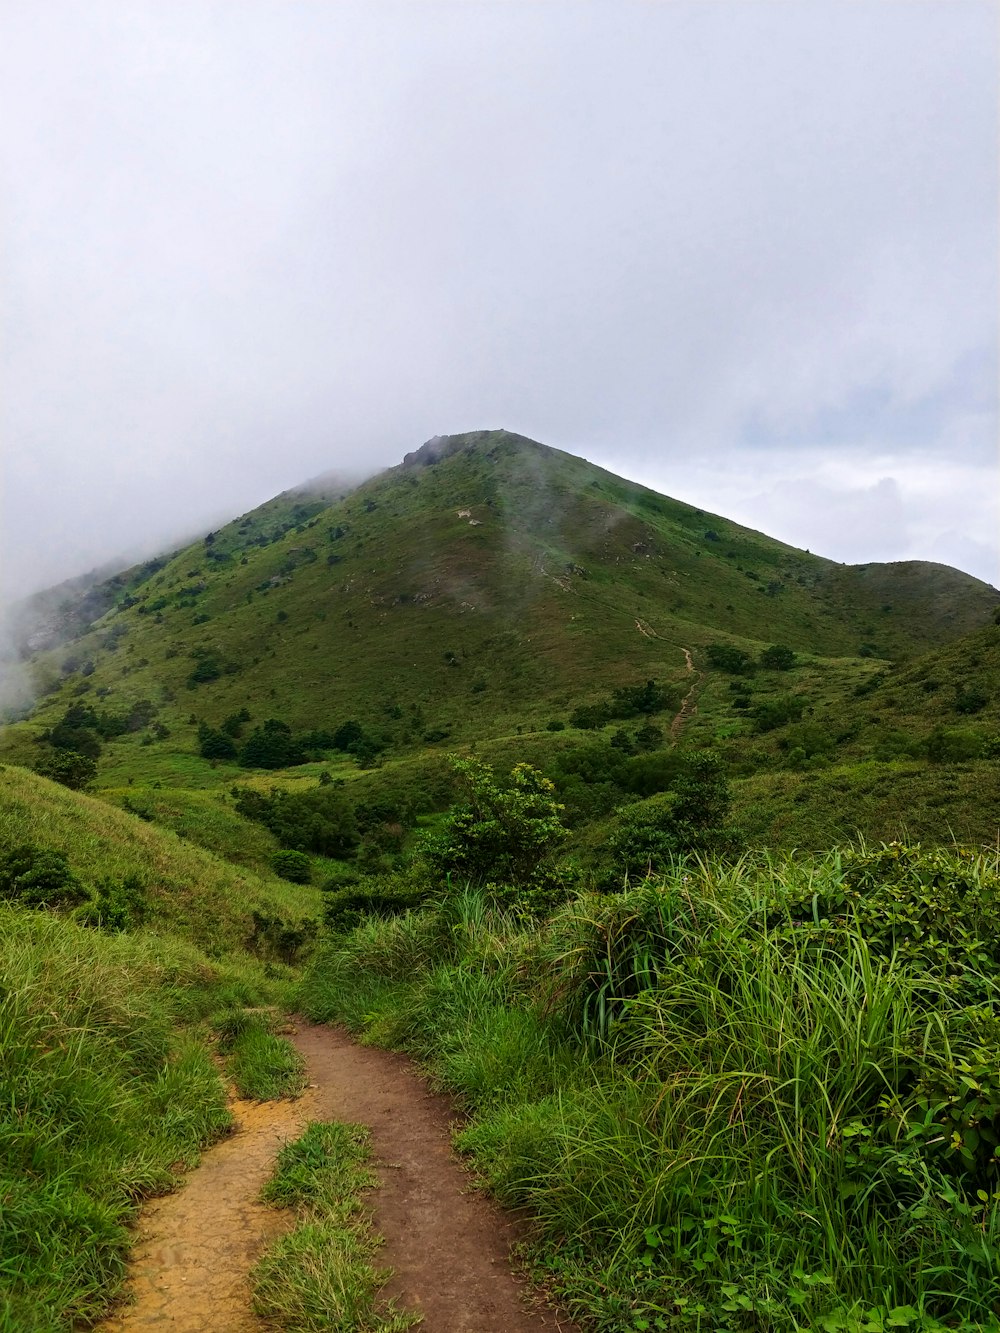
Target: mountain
489,587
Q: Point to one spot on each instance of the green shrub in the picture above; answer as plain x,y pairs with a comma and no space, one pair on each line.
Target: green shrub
274,936
691,816
68,767
386,895
725,657
777,658
39,877
503,831
118,905
293,866
215,744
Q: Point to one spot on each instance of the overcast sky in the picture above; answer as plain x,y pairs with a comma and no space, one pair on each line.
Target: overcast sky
745,252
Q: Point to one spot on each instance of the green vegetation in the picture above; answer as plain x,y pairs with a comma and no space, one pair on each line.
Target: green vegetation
262,1064
104,1095
447,740
320,1276
763,1096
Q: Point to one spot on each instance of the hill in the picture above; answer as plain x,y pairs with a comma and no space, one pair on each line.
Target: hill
490,587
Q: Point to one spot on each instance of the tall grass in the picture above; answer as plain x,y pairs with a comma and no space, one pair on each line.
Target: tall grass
705,1091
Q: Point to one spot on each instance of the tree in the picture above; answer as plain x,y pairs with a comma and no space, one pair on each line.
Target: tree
777,658
502,831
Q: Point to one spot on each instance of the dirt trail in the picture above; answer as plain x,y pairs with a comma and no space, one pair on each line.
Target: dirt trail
688,706
196,1247
448,1246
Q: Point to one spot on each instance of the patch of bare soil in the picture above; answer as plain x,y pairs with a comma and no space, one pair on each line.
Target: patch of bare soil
448,1246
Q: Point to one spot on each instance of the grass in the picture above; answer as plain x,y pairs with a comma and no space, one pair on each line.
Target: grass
710,1106
105,1093
191,891
262,1064
321,1275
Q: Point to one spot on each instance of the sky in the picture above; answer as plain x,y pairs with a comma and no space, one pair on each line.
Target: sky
742,251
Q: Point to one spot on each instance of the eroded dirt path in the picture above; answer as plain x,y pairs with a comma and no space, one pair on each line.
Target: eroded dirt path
195,1247
448,1246
688,705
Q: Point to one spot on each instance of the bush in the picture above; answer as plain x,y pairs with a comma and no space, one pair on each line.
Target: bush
777,658
39,877
347,905
215,744
774,713
725,657
320,820
953,745
119,905
689,817
69,767
503,831
271,746
294,866
205,669
970,699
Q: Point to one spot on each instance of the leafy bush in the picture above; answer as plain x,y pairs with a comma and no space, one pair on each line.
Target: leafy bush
970,699
320,820
725,657
347,905
953,745
39,877
625,702
278,937
777,658
503,831
68,767
271,746
689,817
770,714
206,668
215,744
293,866
118,905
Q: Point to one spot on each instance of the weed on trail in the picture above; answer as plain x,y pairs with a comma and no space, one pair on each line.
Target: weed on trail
754,1097
262,1065
320,1276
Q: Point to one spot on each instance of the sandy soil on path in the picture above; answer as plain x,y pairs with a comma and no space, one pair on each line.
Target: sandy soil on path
195,1248
448,1246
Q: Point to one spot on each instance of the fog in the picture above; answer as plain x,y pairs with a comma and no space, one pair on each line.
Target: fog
743,252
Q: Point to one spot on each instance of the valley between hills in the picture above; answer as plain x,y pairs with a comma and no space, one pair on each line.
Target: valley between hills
667,851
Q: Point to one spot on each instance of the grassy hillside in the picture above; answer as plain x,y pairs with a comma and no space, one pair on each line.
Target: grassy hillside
479,594
191,892
560,580
108,1088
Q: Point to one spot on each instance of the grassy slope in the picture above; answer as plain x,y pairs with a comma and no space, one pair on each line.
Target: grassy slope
106,1089
197,895
570,582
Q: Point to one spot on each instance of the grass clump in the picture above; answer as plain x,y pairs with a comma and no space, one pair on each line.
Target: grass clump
263,1065
321,1276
